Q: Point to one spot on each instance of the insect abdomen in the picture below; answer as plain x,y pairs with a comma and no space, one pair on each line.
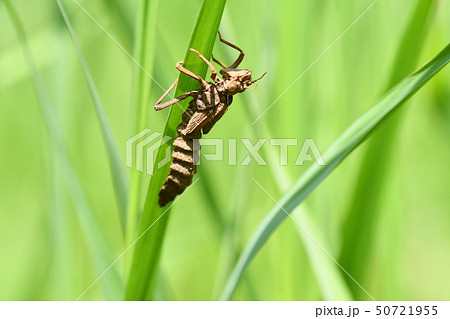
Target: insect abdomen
182,168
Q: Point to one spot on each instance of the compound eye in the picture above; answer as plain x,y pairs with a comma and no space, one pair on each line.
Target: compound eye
232,87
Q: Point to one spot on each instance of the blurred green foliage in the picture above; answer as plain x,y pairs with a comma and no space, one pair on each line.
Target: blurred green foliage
46,252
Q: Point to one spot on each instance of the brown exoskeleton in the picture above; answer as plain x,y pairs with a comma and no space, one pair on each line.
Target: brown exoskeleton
208,105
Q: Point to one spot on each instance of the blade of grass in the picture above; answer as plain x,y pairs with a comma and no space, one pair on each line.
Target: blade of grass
117,167
100,253
358,228
62,245
228,252
342,147
148,250
145,48
329,276
126,17
59,239
216,210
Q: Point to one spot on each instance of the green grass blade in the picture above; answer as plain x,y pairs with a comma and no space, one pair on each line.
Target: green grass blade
228,252
59,230
342,147
148,248
117,167
100,253
412,43
146,47
330,278
125,16
358,228
217,211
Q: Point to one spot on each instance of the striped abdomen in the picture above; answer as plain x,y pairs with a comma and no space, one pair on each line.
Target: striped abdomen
182,168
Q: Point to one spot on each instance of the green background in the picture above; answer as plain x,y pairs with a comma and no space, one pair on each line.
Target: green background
383,214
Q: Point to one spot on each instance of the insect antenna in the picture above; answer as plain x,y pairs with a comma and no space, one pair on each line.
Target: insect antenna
254,81
258,78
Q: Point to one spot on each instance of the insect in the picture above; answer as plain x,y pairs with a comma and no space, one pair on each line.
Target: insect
208,105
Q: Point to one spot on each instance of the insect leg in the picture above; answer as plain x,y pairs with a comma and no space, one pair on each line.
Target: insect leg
213,69
218,62
173,101
191,74
167,92
240,57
